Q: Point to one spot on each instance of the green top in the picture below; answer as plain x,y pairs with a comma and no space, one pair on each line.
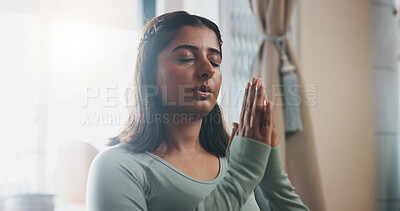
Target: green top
251,179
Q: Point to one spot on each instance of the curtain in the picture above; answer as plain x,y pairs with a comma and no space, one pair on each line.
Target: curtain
298,144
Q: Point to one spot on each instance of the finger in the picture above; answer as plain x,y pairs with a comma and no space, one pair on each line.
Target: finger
274,140
257,106
265,114
252,102
264,96
250,97
244,103
265,104
260,107
265,119
269,125
273,116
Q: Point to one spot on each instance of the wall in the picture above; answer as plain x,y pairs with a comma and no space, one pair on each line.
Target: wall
205,8
384,36
335,54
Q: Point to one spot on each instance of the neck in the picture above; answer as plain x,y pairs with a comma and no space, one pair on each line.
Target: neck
183,132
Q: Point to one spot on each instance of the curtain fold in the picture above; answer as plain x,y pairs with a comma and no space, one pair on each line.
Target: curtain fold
299,154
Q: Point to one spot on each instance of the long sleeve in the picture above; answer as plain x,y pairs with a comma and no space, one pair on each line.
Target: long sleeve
111,187
117,184
275,190
247,160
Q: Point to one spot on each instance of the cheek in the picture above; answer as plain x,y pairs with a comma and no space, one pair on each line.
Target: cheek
163,72
168,79
171,78
164,83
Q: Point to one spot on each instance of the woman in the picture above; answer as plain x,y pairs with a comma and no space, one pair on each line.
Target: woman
171,155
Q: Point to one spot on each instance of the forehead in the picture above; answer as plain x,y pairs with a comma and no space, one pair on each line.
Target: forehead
199,36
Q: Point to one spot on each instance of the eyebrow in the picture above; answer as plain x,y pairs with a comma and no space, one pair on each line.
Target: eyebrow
192,47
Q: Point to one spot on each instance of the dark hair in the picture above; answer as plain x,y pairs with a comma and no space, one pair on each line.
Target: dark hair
139,131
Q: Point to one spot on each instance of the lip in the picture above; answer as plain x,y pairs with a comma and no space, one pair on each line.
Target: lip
204,88
202,94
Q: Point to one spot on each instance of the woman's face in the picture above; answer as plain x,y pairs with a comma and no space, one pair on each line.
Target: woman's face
188,72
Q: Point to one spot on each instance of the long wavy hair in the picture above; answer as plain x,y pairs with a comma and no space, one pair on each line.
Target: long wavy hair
140,131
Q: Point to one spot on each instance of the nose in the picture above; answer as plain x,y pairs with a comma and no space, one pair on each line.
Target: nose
206,70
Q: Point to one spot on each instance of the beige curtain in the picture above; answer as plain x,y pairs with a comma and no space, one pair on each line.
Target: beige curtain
298,148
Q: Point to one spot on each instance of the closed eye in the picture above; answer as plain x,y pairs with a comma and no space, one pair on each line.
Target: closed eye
214,64
185,60
189,60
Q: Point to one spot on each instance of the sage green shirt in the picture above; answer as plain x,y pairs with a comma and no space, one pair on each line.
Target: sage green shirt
251,179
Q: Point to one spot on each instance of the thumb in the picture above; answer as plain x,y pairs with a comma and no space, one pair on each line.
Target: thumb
237,130
234,132
234,128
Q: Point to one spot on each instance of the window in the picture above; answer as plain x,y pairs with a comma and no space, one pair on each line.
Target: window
242,39
65,66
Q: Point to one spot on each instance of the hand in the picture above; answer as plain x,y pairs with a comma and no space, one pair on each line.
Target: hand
255,117
269,118
264,131
274,138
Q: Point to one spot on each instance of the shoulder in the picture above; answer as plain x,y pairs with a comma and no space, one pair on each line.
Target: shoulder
118,155
117,177
120,161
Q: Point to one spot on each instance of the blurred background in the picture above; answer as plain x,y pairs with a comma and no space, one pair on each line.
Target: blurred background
65,67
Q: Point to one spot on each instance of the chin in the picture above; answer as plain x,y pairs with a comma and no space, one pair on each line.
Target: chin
205,106
197,109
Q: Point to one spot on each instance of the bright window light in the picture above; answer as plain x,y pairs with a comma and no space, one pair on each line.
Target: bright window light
72,70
